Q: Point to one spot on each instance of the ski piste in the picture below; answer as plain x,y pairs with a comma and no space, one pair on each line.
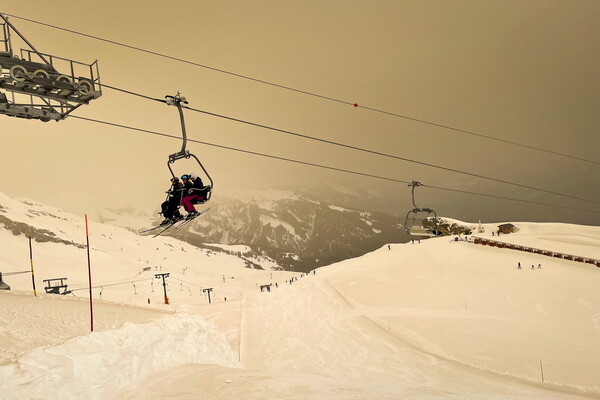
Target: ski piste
181,223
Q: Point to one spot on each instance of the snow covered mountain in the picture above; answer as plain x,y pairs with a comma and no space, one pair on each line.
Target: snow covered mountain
298,232
439,319
122,260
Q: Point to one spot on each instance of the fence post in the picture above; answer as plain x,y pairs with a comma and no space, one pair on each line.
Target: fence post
87,238
31,264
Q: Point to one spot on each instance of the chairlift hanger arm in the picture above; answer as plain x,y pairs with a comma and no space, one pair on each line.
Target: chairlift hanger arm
414,184
183,131
183,153
176,101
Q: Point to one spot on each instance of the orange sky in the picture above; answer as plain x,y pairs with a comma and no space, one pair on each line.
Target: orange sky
524,71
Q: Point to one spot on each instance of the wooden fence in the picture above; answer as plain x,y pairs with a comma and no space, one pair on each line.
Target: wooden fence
555,254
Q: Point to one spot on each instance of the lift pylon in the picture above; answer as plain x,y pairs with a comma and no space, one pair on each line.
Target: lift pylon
35,85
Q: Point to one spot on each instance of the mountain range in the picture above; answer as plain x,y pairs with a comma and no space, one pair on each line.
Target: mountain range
299,232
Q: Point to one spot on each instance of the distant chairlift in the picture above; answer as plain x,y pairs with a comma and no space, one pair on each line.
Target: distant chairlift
420,222
42,86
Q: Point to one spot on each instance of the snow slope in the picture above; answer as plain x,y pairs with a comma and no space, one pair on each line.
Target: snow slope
578,240
438,319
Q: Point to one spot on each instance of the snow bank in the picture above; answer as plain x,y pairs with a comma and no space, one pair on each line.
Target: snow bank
98,365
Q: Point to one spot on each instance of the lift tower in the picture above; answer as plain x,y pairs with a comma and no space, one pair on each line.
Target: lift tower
35,85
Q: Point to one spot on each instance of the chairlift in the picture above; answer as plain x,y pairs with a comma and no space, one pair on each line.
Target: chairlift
417,218
183,153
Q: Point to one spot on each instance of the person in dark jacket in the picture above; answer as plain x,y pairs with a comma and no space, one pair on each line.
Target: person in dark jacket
187,184
196,193
170,207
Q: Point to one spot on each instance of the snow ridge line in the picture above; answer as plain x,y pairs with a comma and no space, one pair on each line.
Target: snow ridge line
102,364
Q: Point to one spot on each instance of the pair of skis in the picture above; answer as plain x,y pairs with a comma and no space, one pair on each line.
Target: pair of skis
177,224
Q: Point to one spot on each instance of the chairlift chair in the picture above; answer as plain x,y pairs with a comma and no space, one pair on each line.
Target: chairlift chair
183,153
413,224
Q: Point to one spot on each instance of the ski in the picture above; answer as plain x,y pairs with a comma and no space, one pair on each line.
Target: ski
187,221
151,229
160,226
181,223
168,226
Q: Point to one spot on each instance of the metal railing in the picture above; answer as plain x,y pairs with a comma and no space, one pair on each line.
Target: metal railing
92,71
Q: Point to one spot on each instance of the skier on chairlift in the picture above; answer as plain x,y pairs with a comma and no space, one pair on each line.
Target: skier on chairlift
195,194
170,207
187,184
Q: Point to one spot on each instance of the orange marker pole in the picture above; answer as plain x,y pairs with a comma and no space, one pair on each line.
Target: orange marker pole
87,238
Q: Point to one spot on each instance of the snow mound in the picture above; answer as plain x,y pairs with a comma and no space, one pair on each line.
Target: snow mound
100,364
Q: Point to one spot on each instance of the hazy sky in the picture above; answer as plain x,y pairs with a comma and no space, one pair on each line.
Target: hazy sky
523,71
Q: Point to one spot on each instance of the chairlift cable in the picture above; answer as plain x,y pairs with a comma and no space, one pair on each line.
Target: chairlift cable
129,282
328,167
182,60
15,273
133,93
187,283
377,153
313,94
240,150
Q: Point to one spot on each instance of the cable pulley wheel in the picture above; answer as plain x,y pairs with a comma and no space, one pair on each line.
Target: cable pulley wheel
40,73
18,73
85,87
64,79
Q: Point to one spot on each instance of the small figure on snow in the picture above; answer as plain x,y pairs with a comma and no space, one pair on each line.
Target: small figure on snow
519,267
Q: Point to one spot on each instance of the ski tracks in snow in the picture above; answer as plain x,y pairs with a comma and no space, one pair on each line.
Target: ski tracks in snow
102,364
309,335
